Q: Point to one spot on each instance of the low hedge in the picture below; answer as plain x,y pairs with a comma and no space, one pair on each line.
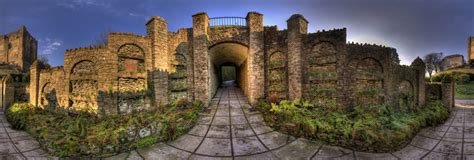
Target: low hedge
86,135
374,128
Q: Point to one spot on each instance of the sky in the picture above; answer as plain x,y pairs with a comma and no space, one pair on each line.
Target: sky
413,27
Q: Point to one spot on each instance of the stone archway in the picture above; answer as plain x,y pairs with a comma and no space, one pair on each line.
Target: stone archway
228,54
83,86
48,96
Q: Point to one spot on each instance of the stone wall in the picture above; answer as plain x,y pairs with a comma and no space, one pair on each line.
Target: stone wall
441,91
134,72
323,67
276,60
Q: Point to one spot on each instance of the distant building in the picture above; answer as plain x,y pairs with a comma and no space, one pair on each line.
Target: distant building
452,61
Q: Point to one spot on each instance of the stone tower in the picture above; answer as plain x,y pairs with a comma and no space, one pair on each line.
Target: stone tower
470,51
18,48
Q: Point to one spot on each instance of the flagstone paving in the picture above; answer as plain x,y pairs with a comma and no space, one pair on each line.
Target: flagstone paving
18,144
231,129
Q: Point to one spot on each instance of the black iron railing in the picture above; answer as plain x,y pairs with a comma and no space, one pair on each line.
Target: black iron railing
227,21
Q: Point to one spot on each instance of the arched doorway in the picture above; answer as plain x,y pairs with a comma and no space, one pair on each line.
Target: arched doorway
228,59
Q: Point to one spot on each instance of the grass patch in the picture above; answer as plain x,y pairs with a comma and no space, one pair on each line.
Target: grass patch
464,91
374,128
86,135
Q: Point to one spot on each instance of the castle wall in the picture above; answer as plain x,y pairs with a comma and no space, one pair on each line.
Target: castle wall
135,72
181,71
276,62
323,67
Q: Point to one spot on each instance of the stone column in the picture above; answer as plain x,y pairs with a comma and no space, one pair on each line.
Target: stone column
256,58
34,83
157,31
447,94
201,58
419,66
297,28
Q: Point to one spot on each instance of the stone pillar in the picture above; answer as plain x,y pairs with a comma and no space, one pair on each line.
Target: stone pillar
256,58
297,28
447,94
201,58
8,92
34,84
157,31
419,66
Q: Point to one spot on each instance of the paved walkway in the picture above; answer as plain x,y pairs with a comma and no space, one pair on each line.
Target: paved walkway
18,144
230,129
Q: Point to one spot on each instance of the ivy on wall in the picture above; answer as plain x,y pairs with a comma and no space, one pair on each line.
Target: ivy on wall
322,74
406,96
277,75
369,82
178,79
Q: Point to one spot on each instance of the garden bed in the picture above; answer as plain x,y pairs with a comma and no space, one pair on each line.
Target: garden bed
374,128
86,135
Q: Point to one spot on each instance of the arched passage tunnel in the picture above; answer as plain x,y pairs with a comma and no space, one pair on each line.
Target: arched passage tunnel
231,57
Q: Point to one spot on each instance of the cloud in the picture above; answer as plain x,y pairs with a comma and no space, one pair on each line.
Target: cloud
50,46
80,3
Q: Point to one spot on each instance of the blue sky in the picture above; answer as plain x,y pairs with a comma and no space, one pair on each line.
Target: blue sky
413,27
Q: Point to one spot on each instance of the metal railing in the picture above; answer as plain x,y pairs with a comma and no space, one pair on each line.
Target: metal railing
227,21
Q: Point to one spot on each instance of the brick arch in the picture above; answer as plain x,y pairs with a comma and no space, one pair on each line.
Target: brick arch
222,41
178,79
278,75
369,81
80,68
321,71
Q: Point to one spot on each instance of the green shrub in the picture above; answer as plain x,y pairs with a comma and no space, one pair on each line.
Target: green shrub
375,128
82,134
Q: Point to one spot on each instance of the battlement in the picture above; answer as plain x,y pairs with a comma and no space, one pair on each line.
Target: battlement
126,34
87,48
332,30
368,45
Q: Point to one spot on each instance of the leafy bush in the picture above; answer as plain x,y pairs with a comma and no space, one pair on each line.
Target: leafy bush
375,128
84,134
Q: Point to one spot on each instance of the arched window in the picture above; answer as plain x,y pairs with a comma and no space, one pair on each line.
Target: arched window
322,74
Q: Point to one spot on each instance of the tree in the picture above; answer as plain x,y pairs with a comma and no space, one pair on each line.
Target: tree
433,62
102,39
43,61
